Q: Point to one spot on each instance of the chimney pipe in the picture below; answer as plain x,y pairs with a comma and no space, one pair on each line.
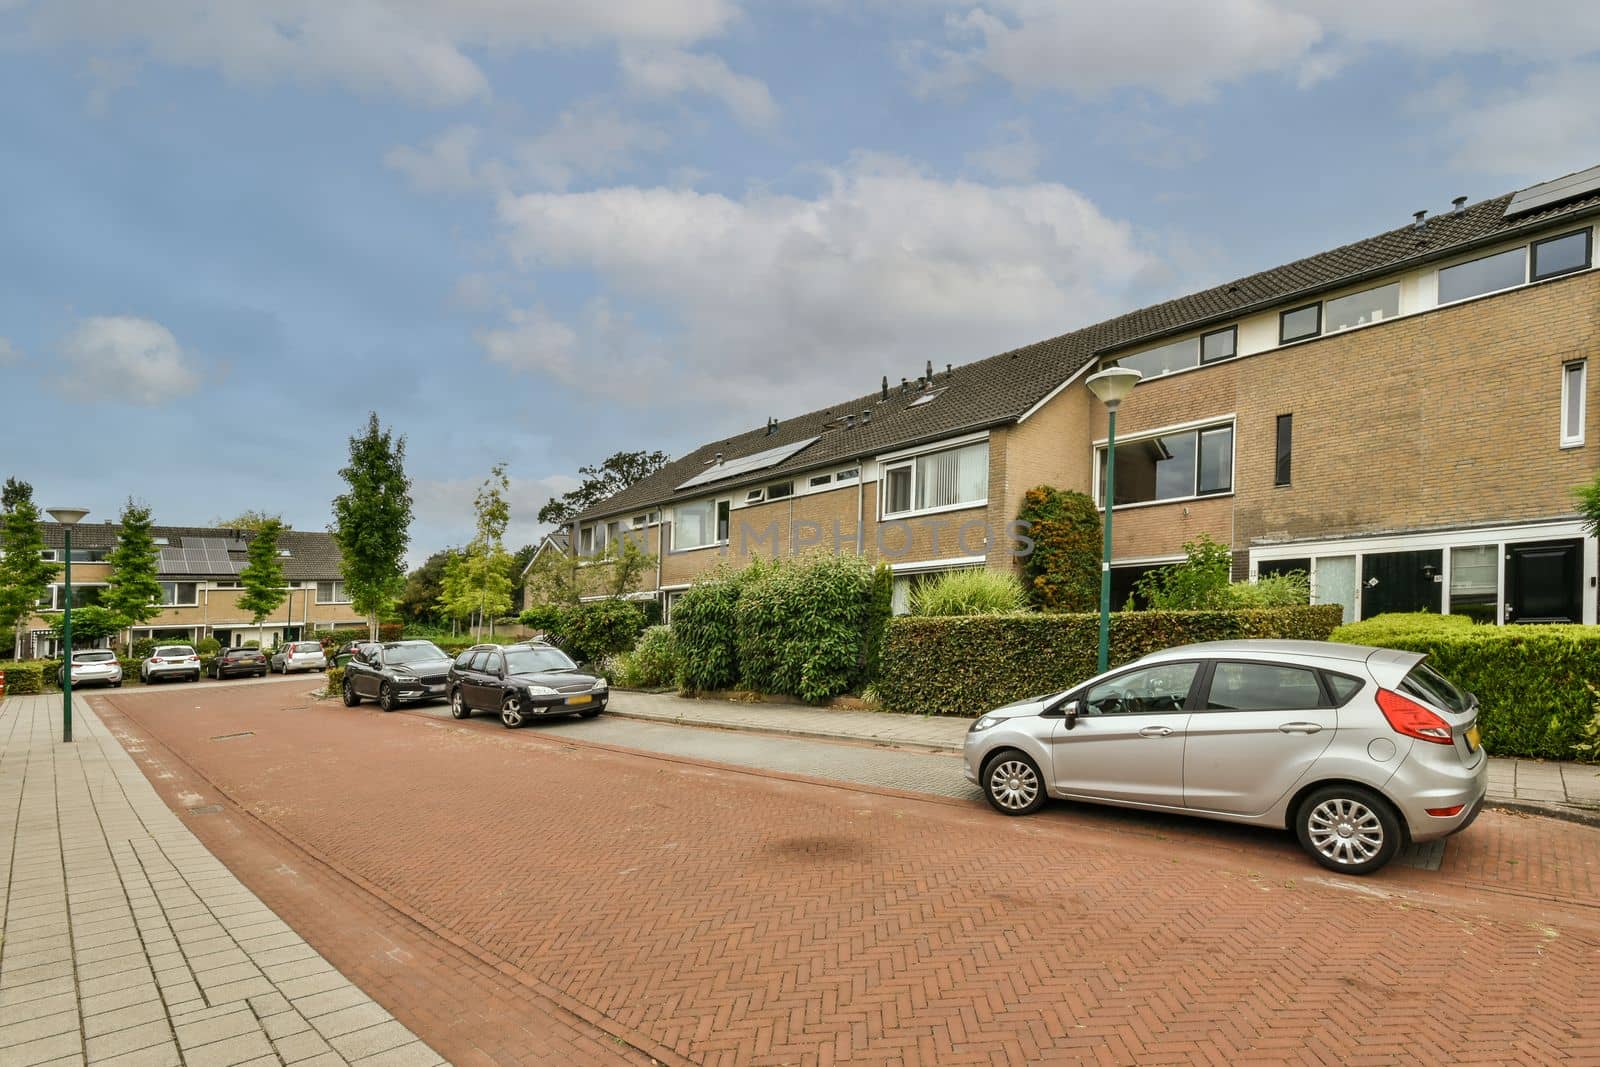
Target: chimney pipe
849,422
866,416
905,383
885,395
1461,205
719,459
929,375
1417,218
949,369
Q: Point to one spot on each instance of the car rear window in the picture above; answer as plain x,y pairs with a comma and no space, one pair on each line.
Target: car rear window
174,651
308,646
1430,685
93,657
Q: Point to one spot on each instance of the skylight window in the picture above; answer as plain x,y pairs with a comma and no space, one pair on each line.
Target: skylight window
925,398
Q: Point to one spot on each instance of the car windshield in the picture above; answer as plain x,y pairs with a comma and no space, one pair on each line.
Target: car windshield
1430,685
405,654
536,660
93,657
175,651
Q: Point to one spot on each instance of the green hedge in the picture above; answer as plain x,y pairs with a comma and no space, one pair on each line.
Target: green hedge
24,678
1538,687
335,681
652,663
705,626
970,664
590,631
801,626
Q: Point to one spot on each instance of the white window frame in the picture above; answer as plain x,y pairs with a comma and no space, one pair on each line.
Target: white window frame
176,603
1569,438
56,588
903,461
339,594
1198,427
713,541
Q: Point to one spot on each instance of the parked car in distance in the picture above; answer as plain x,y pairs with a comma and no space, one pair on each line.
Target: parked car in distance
233,662
170,661
1357,750
93,666
395,672
299,656
521,682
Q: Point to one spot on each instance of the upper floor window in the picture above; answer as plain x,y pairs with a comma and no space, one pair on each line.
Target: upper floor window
956,477
586,541
1359,309
332,593
1181,355
1171,466
693,525
180,594
1574,379
79,555
1555,256
1219,344
820,480
1299,323
780,490
1487,274
82,596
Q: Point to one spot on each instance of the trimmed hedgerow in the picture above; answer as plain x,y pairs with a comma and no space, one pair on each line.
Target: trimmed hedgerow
1538,687
24,678
966,665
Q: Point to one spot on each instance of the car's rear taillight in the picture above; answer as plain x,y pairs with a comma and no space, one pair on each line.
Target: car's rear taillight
1408,717
157,659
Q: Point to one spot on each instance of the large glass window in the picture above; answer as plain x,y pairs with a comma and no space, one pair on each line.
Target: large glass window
1262,687
1154,362
1223,344
1359,309
1300,323
179,594
952,478
1172,466
1146,691
1560,255
1487,275
692,524
1475,582
82,596
1574,380
332,593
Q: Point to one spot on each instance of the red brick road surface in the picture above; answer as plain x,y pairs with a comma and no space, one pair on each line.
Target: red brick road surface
518,898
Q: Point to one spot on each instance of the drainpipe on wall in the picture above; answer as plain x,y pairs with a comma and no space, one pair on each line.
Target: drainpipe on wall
861,499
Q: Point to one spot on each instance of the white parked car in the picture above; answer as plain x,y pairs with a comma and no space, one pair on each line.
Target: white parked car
93,666
171,661
299,656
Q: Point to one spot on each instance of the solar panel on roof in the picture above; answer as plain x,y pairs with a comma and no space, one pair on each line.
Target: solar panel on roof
1551,193
745,464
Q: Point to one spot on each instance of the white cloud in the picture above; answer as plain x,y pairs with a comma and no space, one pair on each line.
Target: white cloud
674,71
9,353
415,48
447,164
1012,157
779,301
1546,127
112,357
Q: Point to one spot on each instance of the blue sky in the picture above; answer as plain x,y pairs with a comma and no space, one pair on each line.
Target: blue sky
542,232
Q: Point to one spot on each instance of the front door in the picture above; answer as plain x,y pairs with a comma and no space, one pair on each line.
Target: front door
1544,582
1127,743
1402,581
1260,728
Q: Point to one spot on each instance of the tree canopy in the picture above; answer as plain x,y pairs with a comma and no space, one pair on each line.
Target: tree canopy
134,593
612,475
372,520
251,519
25,574
262,576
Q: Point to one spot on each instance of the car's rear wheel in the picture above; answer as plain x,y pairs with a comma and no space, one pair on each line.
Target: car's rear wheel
386,697
458,706
511,711
351,697
1348,829
1012,783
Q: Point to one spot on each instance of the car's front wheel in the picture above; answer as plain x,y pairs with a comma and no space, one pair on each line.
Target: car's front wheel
458,705
386,699
351,697
1012,783
1348,829
511,712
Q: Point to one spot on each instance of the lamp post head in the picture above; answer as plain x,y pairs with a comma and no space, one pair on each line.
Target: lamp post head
67,516
1113,384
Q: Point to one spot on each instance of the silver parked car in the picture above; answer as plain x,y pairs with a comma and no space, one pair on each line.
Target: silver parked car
299,656
1355,749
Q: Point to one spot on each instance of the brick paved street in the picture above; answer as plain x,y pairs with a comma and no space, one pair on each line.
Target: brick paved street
710,914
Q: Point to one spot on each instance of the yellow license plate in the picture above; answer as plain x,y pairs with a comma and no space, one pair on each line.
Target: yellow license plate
1474,738
580,700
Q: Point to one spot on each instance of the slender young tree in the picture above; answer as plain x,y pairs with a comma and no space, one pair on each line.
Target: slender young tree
25,574
482,580
252,520
262,576
134,592
371,521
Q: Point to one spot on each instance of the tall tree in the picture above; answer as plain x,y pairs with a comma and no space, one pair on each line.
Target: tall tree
419,599
371,522
613,474
480,581
134,592
252,520
262,576
25,574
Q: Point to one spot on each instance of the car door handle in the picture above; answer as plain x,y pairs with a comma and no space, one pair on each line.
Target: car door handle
1300,728
1155,731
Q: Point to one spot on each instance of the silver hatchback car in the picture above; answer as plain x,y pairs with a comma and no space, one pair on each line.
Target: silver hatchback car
1357,750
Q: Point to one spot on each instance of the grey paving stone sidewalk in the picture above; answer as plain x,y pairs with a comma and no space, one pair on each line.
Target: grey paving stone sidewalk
126,942
1561,788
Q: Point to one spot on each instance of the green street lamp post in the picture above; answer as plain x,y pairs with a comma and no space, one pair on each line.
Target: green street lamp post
1111,386
68,518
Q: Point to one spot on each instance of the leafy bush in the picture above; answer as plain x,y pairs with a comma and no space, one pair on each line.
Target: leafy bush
591,631
976,591
546,617
705,626
208,646
1535,684
391,631
652,664
23,678
1063,571
966,665
802,626
1200,583
335,682
880,609
1285,590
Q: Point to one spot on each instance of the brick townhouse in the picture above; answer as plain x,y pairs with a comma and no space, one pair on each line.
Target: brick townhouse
199,573
1404,418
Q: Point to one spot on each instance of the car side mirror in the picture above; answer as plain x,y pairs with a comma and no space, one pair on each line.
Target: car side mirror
1070,712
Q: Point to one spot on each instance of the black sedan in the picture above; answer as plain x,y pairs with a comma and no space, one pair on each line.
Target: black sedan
232,662
395,673
520,682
